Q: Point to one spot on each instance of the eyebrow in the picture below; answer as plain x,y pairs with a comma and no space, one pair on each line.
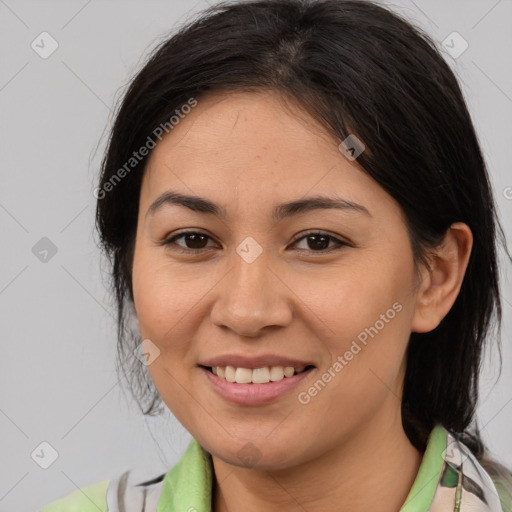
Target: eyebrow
281,211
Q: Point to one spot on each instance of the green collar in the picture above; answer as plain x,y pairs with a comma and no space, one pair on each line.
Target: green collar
441,480
422,491
187,486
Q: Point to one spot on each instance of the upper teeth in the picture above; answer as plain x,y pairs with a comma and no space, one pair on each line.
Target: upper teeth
256,376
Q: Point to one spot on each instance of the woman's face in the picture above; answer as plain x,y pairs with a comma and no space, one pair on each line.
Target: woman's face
249,288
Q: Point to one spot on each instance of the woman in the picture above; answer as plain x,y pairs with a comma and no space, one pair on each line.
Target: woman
299,217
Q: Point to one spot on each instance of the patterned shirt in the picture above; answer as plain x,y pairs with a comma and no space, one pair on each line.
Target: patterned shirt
449,479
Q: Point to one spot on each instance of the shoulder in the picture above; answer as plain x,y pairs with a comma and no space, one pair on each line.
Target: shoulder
131,491
138,489
503,483
86,499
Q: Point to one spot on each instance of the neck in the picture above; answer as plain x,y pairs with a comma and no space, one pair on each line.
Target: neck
361,475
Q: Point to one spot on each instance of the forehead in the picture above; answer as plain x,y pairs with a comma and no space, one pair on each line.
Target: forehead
253,147
243,126
231,115
244,133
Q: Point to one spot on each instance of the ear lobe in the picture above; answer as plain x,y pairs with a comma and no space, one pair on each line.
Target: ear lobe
440,285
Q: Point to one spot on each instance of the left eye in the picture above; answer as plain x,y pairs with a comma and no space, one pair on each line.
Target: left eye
196,241
320,241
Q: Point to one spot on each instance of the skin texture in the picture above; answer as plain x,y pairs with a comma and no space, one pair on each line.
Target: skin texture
246,152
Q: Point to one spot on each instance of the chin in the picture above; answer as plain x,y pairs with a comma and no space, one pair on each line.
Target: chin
260,455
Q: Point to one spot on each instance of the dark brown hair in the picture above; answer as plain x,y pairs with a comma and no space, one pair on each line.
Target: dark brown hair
356,68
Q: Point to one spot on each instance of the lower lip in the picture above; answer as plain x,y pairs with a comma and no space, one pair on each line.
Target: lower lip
254,394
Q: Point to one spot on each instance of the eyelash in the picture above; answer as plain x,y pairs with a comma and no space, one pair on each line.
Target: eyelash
171,241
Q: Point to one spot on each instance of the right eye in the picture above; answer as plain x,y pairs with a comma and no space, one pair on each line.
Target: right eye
193,241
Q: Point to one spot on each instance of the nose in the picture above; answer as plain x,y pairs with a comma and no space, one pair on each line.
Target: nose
252,297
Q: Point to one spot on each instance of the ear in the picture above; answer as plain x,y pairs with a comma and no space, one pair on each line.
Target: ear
440,284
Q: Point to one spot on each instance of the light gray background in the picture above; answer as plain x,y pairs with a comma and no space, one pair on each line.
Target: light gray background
58,381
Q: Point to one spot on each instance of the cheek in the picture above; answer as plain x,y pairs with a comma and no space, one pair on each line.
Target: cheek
170,304
158,294
357,296
160,302
365,321
156,298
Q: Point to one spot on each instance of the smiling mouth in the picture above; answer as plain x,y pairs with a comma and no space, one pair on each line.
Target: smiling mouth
262,375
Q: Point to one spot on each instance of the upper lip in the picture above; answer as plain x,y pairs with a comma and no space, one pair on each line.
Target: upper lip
240,361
